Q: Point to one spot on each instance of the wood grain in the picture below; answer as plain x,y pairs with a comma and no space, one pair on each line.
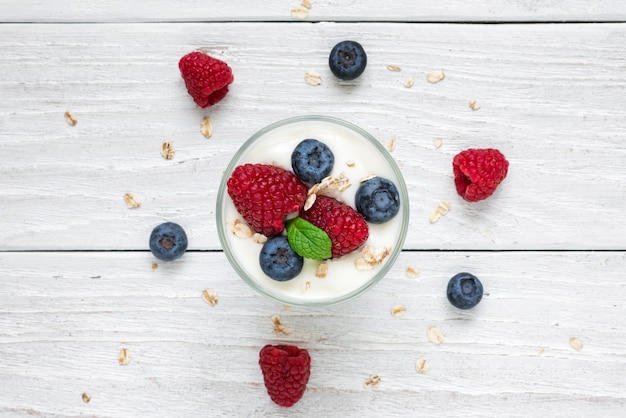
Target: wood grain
559,120
64,320
321,10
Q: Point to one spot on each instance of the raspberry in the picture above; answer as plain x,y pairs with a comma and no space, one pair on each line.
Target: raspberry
264,194
286,370
206,78
345,226
477,172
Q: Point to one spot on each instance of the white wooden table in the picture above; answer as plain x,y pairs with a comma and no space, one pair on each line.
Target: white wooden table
77,281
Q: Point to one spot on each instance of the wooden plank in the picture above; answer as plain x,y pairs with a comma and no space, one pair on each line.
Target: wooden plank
560,122
321,10
66,316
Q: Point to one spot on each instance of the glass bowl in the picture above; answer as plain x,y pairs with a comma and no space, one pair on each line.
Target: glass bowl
357,155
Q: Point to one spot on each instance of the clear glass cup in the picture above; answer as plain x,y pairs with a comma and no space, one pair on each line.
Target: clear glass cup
357,155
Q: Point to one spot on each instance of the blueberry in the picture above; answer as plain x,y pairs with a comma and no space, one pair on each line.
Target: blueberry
464,291
278,260
168,241
312,160
378,200
347,60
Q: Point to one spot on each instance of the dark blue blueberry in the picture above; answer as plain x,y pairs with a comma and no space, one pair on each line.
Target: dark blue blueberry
312,160
378,200
168,241
464,290
347,60
278,260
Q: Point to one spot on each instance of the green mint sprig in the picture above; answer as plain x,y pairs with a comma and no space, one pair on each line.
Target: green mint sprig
308,240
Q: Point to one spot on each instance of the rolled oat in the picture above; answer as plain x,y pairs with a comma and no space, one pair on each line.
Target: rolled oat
435,76
210,296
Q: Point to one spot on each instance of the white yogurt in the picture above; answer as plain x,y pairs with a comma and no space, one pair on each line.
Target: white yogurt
357,158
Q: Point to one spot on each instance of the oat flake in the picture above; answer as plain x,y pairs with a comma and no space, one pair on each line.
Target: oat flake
361,264
437,143
123,358
434,217
435,76
392,144
412,272
421,366
368,177
70,118
371,257
372,381
131,201
155,266
86,397
259,238
306,4
576,343
322,270
313,78
394,68
279,328
167,150
299,13
434,335
442,209
210,296
408,83
398,311
473,104
206,127
375,255
339,182
241,229
309,202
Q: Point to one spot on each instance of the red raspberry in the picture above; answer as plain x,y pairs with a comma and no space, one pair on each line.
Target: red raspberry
264,194
286,370
206,78
345,226
477,172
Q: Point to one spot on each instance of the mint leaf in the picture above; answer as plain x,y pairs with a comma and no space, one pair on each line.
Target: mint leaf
308,240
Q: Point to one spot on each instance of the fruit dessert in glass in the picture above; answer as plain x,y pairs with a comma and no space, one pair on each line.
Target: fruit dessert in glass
312,211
